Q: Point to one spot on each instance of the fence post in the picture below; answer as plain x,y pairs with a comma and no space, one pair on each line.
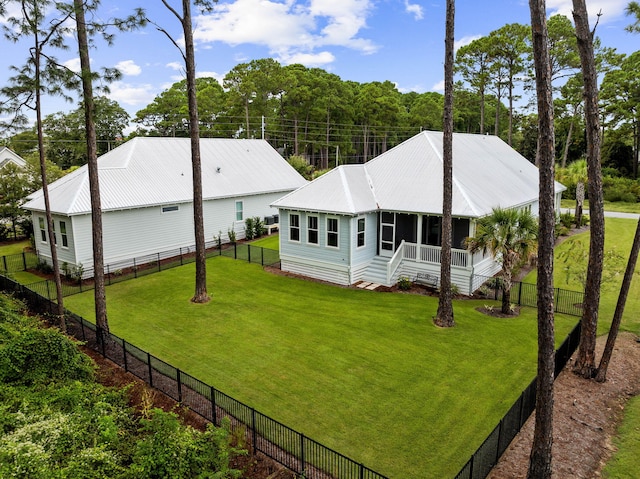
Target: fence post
235,251
150,370
213,406
262,256
499,437
124,355
248,253
361,475
302,464
520,294
48,292
24,261
108,275
179,386
159,267
253,429
181,263
135,269
555,297
4,261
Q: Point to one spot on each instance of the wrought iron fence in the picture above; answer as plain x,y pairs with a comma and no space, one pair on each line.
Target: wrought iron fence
136,267
487,455
285,445
526,294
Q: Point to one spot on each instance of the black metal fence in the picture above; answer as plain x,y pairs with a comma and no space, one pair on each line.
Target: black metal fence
526,294
263,434
288,447
486,457
136,267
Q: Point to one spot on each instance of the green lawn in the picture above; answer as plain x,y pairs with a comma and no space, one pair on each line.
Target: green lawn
365,373
270,242
618,206
618,237
625,462
13,247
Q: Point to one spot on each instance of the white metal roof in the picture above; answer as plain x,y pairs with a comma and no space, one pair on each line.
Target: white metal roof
9,156
408,178
147,171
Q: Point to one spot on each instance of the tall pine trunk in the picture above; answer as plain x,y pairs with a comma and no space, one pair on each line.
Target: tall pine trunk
45,185
585,364
201,295
540,458
102,322
444,316
601,374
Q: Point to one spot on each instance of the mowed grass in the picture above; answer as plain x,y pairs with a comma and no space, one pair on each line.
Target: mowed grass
270,242
13,247
365,373
619,238
617,206
625,463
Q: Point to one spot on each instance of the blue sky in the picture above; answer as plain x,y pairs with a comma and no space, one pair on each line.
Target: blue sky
360,40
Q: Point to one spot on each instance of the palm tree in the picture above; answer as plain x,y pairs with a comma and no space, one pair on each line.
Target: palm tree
511,236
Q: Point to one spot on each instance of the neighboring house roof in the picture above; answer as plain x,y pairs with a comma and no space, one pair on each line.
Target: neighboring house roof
8,156
408,178
148,171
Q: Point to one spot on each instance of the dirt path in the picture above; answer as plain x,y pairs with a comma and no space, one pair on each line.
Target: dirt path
586,415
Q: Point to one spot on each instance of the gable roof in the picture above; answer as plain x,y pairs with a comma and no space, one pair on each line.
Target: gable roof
408,178
149,171
9,156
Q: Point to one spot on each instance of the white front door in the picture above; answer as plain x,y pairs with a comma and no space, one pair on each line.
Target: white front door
387,234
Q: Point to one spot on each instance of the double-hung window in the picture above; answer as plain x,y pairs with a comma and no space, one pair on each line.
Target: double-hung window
239,210
332,232
294,227
43,231
361,230
312,229
63,234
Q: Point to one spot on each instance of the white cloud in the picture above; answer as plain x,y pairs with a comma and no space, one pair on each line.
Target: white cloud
289,28
73,64
611,9
134,95
129,67
310,59
464,41
219,77
175,66
415,9
438,86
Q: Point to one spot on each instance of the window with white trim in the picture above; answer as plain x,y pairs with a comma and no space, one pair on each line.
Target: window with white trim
43,231
332,232
360,234
239,210
294,227
312,229
63,234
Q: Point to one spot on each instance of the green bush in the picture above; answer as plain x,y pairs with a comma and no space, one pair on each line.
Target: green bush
404,283
249,228
42,355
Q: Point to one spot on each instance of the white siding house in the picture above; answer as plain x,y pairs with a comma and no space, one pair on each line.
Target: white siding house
388,212
147,197
8,156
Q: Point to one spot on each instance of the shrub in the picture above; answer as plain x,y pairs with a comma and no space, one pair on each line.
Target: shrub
42,355
404,283
44,267
249,228
232,235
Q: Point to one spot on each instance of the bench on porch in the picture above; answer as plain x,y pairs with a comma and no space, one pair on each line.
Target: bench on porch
426,279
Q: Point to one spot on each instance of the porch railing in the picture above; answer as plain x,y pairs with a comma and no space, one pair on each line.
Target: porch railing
395,260
431,254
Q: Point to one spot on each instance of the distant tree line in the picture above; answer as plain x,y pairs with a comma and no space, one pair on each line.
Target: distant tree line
314,114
